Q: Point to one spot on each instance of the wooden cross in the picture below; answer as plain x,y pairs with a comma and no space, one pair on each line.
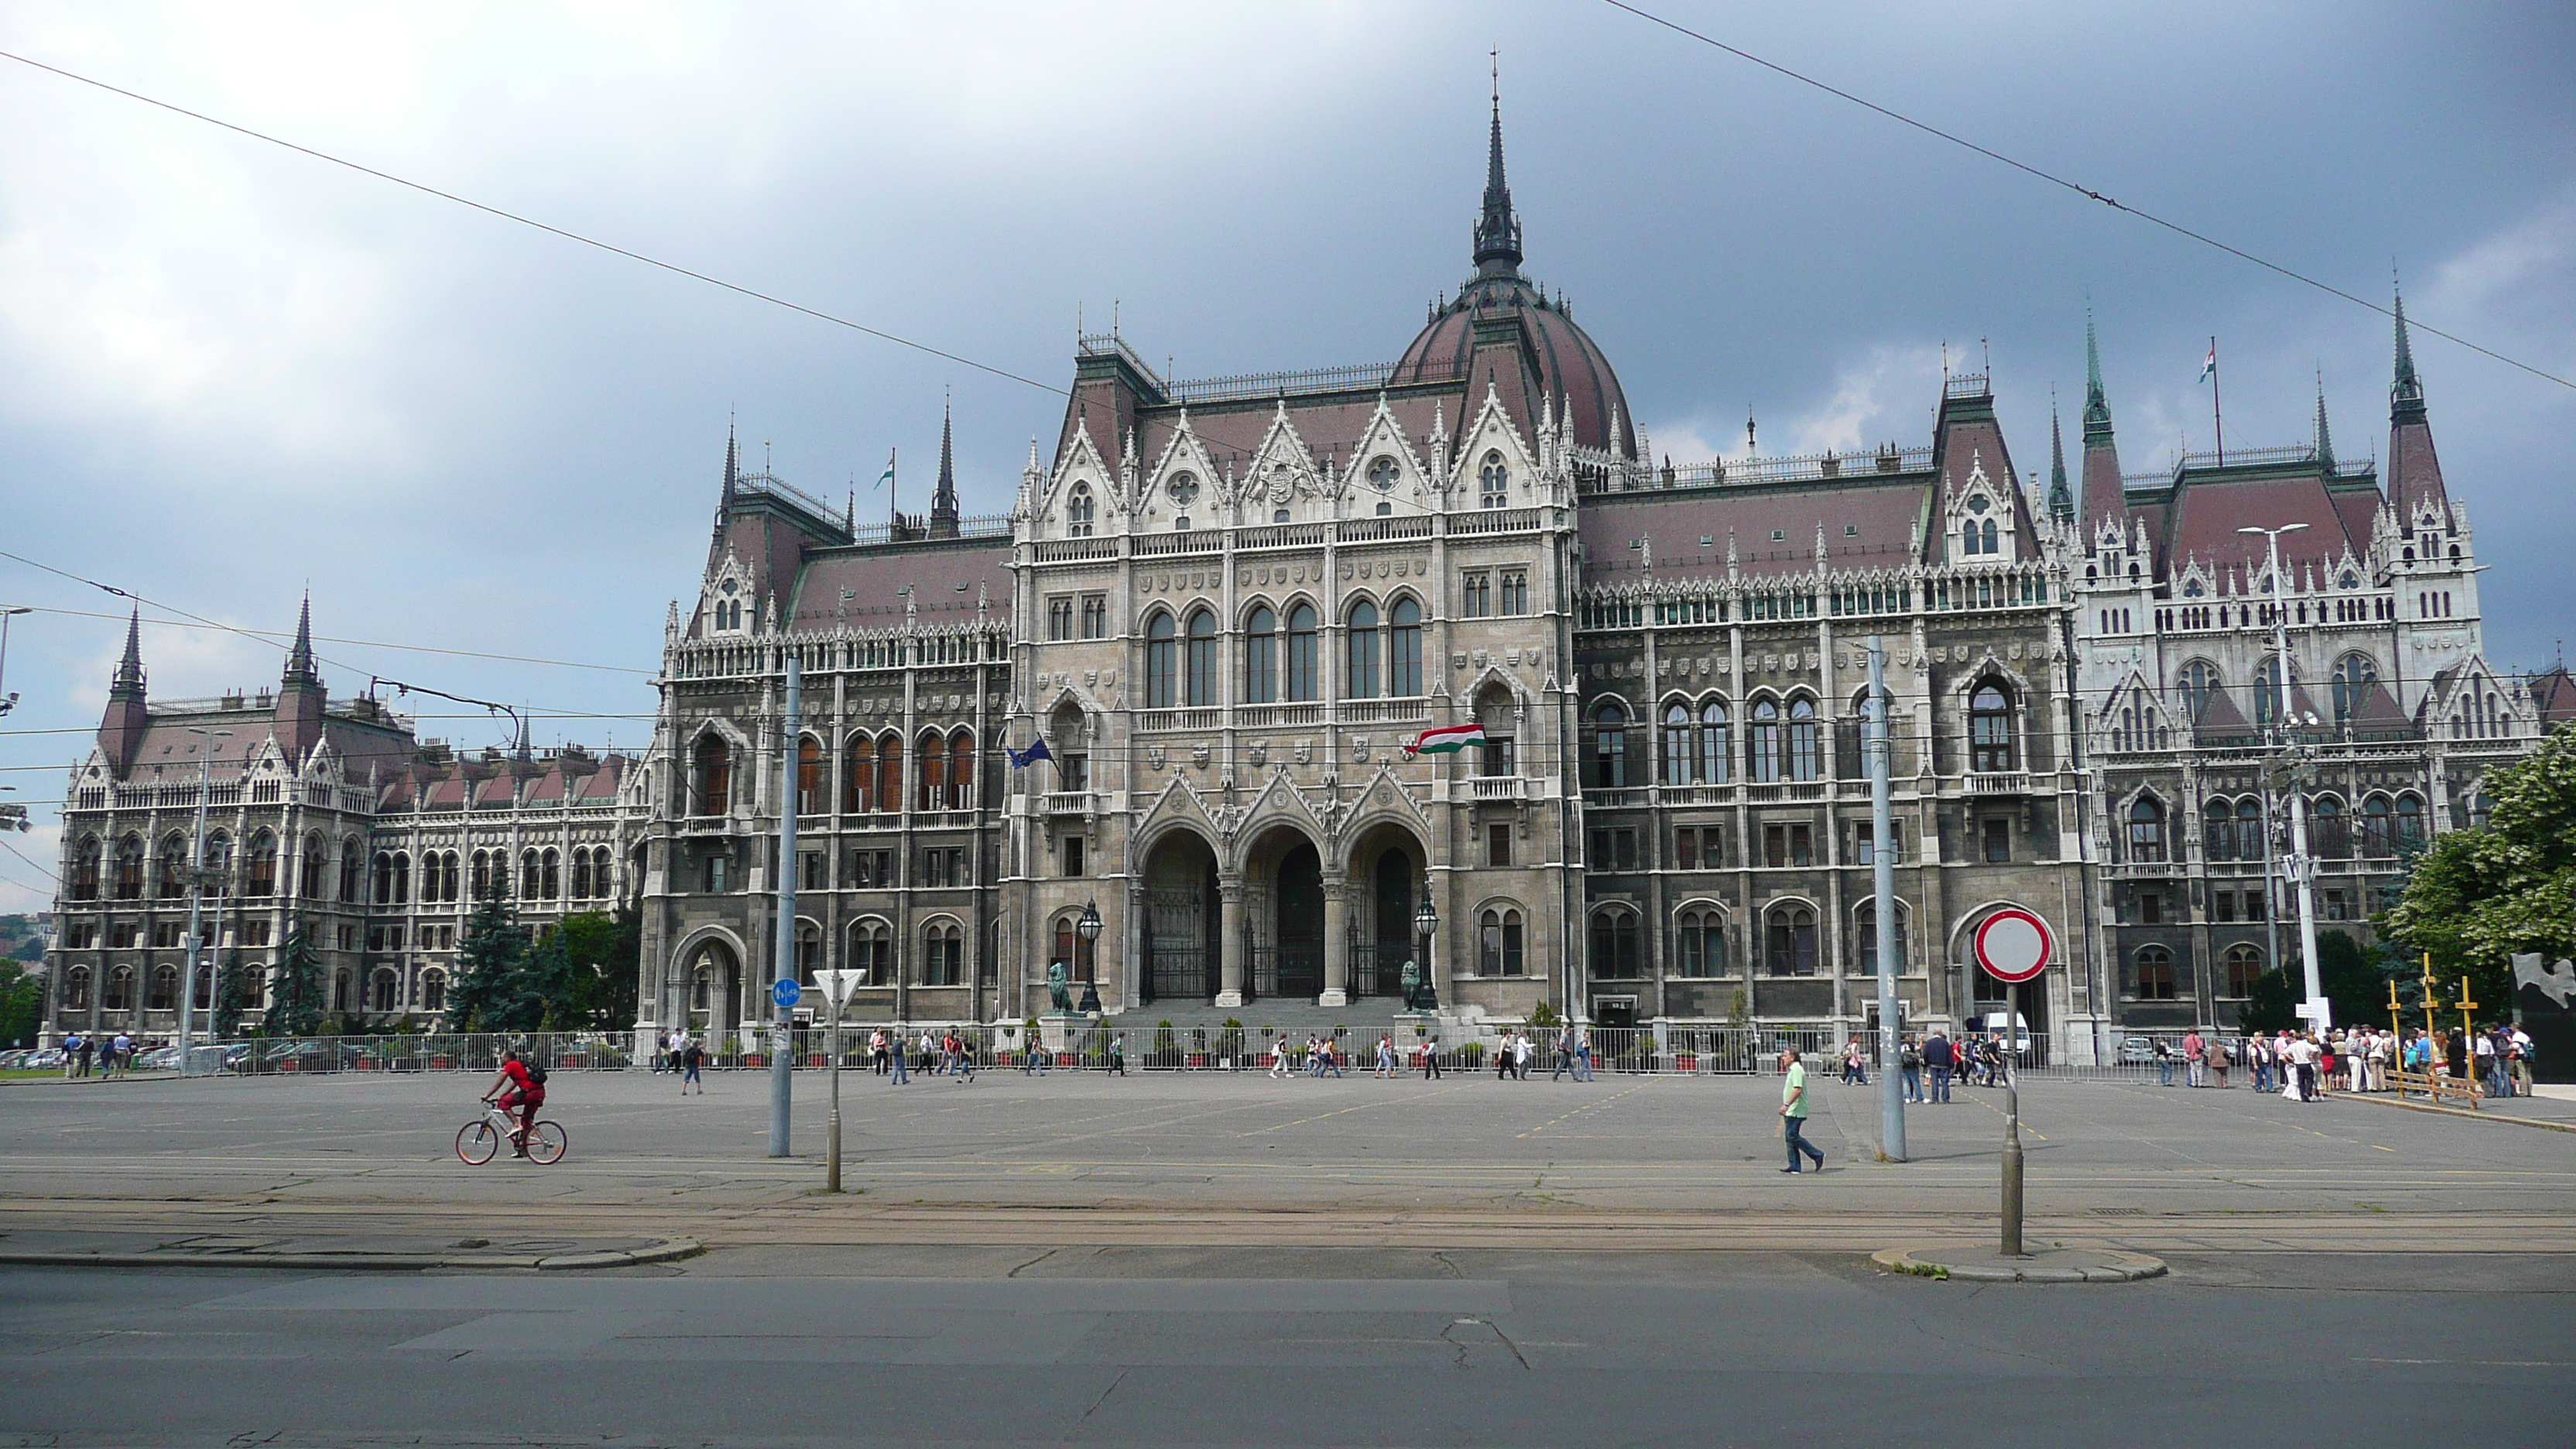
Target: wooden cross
2468,1029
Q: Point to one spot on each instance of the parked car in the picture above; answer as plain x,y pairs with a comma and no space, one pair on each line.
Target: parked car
2138,1051
46,1059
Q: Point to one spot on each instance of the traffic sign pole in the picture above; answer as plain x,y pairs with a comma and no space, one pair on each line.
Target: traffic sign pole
782,1041
2013,946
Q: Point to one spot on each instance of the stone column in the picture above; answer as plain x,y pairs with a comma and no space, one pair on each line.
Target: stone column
1337,943
1229,891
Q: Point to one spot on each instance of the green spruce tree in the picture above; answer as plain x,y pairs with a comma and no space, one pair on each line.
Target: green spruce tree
491,962
296,1007
232,995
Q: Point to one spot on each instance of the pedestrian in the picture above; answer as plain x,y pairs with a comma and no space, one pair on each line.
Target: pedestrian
1793,1111
692,1057
1855,1067
1583,1053
2164,1062
1279,1057
120,1055
2219,1061
2195,1058
1117,1054
1385,1057
1503,1057
896,1076
2303,1064
877,1051
2522,1052
1942,1058
1909,1061
1431,1059
2483,1044
76,1050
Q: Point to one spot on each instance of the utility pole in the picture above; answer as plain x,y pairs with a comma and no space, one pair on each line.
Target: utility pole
782,1036
1882,839
2300,868
8,702
197,882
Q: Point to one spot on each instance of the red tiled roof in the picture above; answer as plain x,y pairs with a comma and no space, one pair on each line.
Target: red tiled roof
872,573
1885,510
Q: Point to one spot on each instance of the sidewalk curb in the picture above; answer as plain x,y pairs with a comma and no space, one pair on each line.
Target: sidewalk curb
2474,1116
667,1251
1971,1265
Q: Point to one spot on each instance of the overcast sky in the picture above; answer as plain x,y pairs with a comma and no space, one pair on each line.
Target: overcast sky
228,372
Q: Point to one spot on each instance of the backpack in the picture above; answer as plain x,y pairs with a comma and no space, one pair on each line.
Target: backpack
536,1075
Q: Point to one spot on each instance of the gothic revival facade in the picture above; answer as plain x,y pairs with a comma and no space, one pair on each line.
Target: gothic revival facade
1175,687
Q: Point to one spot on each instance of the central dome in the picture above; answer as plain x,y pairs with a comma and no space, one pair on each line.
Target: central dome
1502,321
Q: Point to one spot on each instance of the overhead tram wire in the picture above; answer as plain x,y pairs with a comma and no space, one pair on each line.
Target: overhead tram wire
571,236
2077,187
274,635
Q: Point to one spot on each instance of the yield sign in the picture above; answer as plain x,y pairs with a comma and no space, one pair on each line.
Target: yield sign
2014,945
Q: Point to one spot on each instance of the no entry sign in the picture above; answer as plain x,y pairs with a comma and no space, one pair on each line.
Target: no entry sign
2013,945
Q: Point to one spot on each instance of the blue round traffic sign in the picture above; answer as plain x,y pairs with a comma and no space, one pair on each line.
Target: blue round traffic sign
786,992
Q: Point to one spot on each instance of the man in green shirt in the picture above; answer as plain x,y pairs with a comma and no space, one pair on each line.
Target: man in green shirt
1793,1110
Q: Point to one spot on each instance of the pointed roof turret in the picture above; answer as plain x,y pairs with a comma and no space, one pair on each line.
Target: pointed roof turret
1498,231
2097,403
2414,471
943,499
2325,434
302,703
2103,496
2061,499
121,725
129,670
299,659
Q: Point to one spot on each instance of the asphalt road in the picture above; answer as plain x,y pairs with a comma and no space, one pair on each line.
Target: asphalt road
1314,1346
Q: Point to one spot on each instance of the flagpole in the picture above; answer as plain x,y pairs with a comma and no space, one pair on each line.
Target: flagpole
2218,416
893,518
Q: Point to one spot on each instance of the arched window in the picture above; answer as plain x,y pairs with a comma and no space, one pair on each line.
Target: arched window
1614,945
2147,832
809,951
858,795
714,776
1161,661
1303,683
581,873
809,776
549,875
1806,754
890,773
1990,729
2249,829
315,859
1404,649
1792,940
2334,830
1865,938
2199,682
353,870
872,952
119,995
85,869
2155,974
1202,659
2376,838
529,878
2481,809
433,991
261,879
943,954
1699,944
1359,680
170,867
76,989
219,865
2353,676
383,992
165,989
1610,746
1260,655
1678,754
934,772
1766,741
384,891
2410,824
1714,755
1499,944
961,770
129,868
1493,482
2244,968
2267,691
1078,511
2218,830
482,874
1991,545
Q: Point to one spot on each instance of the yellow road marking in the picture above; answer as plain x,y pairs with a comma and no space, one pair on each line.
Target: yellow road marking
1579,1111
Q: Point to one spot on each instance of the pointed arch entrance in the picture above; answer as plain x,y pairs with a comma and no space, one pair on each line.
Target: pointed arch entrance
1284,908
1182,939
1386,879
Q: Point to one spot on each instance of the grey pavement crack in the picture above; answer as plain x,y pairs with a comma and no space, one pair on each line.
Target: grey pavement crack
1104,1398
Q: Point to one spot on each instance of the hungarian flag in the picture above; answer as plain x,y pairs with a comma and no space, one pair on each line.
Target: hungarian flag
1446,739
2209,365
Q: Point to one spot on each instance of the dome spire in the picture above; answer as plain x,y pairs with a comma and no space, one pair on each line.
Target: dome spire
1498,231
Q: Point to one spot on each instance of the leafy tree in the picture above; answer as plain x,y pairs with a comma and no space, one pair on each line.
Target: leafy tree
32,949
491,964
2477,898
2351,978
22,1005
2271,1003
606,948
296,1007
232,995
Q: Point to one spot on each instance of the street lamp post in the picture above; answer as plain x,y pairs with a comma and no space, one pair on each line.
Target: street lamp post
1426,924
1089,928
197,881
8,702
2300,867
782,1031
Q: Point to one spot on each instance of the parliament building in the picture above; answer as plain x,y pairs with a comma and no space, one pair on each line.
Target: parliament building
1225,608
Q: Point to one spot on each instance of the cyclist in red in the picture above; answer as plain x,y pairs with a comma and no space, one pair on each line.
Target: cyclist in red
516,1087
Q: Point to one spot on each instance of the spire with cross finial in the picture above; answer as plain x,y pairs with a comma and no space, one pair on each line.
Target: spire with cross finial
1498,231
2325,435
121,727
943,498
2061,500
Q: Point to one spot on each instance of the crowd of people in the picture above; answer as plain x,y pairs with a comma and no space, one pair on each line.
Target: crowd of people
2305,1065
113,1055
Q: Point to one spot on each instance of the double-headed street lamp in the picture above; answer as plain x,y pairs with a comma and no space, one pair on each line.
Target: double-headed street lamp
2301,867
198,880
1426,924
8,701
1089,929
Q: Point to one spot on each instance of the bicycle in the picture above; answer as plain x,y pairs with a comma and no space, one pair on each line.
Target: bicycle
478,1141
